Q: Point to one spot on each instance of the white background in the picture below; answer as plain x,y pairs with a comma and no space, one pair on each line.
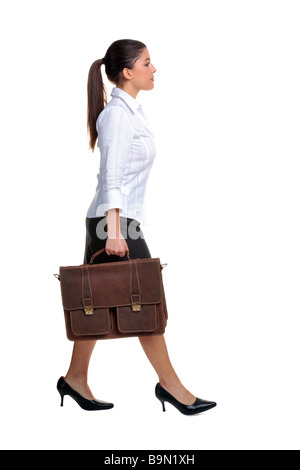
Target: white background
222,208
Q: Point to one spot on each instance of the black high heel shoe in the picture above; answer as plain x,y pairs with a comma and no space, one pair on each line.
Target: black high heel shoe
198,407
88,405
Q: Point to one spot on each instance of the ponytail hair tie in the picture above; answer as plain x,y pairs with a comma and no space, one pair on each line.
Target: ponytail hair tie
102,61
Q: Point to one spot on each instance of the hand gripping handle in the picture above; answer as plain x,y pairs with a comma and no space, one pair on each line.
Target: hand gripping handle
99,253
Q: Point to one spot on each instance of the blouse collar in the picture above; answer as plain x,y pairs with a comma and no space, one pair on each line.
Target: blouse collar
131,102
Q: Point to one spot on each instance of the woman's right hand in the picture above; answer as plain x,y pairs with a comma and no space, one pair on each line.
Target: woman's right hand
116,246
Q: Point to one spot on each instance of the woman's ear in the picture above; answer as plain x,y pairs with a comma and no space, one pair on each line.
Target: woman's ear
127,73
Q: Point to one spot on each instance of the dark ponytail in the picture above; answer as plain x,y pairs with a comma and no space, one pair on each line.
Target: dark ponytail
97,99
120,54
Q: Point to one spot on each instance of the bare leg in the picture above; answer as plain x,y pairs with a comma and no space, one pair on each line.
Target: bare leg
156,350
78,371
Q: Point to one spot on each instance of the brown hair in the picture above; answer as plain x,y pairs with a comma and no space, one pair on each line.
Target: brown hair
120,54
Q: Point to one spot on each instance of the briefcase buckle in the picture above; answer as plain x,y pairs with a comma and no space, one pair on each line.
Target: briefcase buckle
89,310
136,306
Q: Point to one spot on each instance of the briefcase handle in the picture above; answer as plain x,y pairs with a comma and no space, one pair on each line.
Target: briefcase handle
99,253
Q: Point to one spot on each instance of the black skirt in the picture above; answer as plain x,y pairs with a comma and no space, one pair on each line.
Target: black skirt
96,235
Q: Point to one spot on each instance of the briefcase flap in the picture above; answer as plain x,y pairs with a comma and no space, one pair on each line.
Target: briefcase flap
113,284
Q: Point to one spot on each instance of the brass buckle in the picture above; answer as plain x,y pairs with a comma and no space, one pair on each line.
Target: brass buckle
89,310
136,306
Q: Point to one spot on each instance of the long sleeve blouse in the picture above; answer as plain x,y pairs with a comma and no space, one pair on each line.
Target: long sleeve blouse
127,151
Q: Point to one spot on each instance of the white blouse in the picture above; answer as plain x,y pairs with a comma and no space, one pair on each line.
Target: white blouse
127,150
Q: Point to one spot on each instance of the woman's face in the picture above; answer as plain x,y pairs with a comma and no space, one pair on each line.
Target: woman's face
142,74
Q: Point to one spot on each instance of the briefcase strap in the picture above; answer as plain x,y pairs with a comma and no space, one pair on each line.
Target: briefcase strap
87,299
135,288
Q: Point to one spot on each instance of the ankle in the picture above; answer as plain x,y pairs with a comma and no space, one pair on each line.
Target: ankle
170,383
79,383
76,378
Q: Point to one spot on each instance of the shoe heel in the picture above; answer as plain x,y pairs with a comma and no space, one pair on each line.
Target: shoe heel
62,399
163,405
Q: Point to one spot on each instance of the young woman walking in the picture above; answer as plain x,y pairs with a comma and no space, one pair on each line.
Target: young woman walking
127,150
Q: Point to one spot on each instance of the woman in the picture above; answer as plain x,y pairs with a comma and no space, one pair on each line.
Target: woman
113,219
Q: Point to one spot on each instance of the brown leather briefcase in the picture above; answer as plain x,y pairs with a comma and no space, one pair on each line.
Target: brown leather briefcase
114,299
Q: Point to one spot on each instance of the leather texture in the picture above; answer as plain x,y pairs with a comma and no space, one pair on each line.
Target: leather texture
113,300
